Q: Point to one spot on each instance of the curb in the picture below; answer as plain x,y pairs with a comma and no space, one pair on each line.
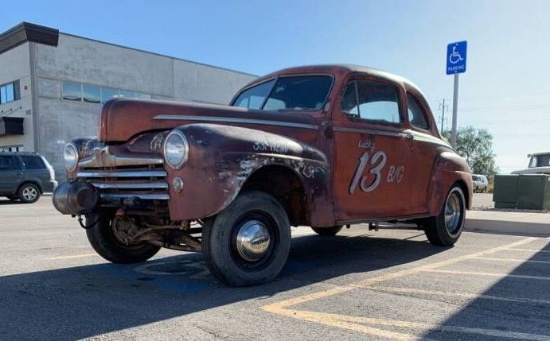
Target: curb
514,223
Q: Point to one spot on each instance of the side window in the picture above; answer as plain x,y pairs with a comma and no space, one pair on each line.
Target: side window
33,162
8,163
371,100
417,116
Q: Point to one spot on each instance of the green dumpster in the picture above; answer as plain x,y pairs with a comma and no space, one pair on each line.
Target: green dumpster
533,192
505,192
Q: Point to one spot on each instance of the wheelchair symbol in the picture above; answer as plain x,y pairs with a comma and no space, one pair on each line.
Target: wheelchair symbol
455,57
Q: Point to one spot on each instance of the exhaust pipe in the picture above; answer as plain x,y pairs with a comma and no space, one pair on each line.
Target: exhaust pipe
75,198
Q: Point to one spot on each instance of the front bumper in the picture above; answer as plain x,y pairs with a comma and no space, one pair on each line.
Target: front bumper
104,179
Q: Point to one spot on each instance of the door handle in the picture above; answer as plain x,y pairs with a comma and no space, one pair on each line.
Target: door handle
409,136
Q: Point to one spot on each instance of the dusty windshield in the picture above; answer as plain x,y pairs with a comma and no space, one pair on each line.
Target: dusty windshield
287,93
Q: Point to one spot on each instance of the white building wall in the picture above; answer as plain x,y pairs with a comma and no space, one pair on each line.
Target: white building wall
15,65
204,83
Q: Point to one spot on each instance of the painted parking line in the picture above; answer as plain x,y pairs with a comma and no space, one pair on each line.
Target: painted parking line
456,294
531,250
513,260
357,324
487,274
74,256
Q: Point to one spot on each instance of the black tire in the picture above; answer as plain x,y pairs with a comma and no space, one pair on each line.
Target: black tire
445,228
103,239
248,242
28,193
327,231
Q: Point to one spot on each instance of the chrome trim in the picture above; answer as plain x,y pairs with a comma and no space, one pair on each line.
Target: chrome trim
109,196
121,174
427,138
236,120
369,131
102,158
133,185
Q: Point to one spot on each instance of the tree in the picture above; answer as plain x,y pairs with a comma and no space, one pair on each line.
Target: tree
476,146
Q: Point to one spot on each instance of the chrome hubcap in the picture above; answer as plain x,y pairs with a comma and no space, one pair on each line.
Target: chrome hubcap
453,213
253,240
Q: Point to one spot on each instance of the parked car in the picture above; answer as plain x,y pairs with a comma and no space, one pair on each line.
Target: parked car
25,176
480,182
539,163
320,146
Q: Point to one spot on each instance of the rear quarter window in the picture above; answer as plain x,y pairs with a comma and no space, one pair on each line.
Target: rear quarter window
33,162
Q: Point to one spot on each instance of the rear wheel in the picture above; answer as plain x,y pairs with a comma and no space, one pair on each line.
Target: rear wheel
28,193
247,243
108,241
327,231
445,228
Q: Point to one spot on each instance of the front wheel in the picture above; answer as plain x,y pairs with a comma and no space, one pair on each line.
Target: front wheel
445,228
249,241
107,240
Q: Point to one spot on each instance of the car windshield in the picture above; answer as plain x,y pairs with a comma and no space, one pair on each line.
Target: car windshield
287,93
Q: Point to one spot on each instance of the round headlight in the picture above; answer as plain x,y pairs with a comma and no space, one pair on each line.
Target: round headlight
70,154
176,149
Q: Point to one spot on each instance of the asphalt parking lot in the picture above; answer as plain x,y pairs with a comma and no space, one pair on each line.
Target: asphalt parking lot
360,285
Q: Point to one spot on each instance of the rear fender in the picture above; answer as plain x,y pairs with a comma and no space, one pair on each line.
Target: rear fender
449,169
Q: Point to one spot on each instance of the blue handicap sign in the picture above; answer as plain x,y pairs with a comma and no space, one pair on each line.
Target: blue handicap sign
456,57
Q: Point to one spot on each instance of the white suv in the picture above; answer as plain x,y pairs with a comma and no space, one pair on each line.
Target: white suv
480,182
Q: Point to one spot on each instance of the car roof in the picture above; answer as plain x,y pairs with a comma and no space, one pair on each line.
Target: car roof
336,69
537,154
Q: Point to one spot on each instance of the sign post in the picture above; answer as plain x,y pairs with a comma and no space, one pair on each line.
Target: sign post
456,63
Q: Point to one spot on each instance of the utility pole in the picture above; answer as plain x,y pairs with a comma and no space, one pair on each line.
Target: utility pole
442,107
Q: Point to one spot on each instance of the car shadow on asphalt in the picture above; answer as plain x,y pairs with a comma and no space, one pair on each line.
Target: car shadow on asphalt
86,301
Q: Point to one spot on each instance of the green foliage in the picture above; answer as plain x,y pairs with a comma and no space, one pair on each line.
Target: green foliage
476,146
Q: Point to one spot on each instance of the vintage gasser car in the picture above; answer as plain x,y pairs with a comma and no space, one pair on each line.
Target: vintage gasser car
320,146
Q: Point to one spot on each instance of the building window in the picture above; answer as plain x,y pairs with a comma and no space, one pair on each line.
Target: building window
91,94
9,92
107,94
11,149
94,94
72,92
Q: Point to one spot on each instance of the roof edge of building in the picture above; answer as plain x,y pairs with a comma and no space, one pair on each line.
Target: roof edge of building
27,32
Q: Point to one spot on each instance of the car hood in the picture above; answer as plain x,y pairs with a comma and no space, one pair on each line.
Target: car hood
121,119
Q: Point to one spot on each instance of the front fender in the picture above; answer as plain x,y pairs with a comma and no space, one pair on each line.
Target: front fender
448,170
222,158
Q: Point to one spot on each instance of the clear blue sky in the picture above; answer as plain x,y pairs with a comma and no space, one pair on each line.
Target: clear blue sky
506,88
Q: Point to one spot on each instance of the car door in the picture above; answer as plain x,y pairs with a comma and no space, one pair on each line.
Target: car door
10,174
372,153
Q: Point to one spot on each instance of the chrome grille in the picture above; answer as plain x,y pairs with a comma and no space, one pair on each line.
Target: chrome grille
144,182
